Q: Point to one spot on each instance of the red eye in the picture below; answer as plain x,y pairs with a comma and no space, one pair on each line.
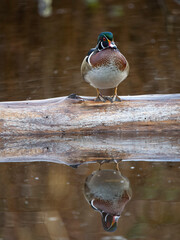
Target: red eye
104,39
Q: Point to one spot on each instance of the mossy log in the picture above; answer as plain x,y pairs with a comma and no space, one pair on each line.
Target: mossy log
82,115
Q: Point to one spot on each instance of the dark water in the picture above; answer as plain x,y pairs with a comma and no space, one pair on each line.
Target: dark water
42,198
41,50
47,201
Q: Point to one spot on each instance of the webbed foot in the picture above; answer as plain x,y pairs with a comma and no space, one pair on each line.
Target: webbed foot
109,99
100,99
115,98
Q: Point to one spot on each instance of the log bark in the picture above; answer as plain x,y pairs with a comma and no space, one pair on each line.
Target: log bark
82,115
75,150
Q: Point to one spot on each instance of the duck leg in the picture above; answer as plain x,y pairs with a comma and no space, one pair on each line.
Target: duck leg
115,96
117,165
99,98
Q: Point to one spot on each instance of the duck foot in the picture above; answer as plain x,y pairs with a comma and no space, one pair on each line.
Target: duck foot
100,99
102,162
109,99
115,98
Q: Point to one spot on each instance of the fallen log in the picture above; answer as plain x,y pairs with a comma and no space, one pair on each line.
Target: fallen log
81,115
76,150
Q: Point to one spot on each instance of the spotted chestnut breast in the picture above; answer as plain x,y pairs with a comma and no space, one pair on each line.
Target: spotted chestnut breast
108,56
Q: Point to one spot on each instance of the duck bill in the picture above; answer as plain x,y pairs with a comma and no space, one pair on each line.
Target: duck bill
112,44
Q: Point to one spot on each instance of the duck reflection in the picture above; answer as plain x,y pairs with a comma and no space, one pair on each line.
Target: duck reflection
107,191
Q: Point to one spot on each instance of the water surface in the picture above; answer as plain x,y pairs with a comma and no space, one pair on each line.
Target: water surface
46,201
41,50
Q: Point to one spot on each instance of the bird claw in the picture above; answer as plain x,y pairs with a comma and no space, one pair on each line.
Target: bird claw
100,99
109,99
115,98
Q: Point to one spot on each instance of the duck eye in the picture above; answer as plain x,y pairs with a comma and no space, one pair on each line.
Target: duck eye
104,39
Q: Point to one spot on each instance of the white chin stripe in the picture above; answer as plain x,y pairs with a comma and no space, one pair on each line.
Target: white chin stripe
89,59
92,204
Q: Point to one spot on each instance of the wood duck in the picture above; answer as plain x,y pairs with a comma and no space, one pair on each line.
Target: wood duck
105,67
107,191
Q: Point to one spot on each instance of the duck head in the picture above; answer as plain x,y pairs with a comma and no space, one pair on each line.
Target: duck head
105,40
109,221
